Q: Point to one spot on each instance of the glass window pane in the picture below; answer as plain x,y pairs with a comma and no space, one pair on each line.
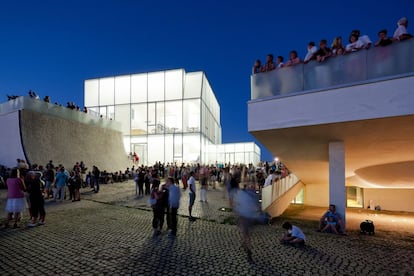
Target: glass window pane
191,151
249,147
91,93
122,90
229,148
102,111
173,117
155,148
151,118
173,84
123,115
178,146
239,147
111,112
191,114
139,119
192,87
156,86
139,88
169,148
160,118
106,91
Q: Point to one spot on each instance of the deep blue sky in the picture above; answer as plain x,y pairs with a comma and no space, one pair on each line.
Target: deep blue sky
51,47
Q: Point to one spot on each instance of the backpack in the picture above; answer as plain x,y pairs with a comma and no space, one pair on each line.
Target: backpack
367,227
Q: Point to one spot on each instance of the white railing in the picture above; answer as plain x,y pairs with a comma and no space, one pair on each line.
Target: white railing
277,189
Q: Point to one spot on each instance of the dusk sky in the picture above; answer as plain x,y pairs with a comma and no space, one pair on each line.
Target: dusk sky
51,47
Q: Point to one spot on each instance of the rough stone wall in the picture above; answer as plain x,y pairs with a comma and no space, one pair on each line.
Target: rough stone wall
66,142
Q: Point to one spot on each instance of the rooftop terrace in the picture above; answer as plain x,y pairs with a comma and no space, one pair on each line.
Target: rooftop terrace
364,66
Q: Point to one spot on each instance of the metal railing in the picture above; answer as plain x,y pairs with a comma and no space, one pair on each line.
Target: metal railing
387,62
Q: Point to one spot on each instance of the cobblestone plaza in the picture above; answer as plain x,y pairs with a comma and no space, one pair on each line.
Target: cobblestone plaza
110,233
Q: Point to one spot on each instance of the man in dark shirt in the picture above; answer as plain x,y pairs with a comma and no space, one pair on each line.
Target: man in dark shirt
383,40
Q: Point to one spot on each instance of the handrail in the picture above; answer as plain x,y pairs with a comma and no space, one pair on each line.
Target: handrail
277,189
380,62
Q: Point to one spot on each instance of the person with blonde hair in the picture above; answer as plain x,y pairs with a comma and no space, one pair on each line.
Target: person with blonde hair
337,47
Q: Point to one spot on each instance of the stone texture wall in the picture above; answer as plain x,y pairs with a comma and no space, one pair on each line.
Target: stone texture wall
66,142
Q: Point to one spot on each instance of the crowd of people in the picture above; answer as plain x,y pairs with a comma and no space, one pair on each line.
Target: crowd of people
34,95
356,42
29,186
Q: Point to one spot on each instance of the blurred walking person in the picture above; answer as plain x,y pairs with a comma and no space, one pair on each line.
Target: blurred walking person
246,207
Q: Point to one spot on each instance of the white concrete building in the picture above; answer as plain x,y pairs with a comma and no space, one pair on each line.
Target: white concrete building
343,127
167,116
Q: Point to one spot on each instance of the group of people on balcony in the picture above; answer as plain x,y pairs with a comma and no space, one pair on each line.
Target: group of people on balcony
46,99
356,43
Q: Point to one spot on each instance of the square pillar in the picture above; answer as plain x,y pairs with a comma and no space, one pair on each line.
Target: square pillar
337,190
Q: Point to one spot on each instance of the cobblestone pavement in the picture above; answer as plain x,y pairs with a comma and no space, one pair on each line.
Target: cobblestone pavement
110,233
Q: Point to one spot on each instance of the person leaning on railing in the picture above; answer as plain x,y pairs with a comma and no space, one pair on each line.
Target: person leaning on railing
401,32
293,59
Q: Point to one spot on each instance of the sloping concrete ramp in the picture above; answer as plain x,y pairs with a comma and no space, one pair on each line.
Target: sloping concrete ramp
38,132
277,197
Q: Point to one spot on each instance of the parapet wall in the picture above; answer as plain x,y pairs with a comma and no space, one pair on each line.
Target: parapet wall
46,137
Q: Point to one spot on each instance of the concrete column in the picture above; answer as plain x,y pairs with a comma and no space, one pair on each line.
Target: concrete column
337,191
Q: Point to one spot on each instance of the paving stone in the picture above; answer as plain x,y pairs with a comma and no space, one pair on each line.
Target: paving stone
110,233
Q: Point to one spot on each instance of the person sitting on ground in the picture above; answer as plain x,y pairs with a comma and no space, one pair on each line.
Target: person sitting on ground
330,226
279,62
401,32
293,58
270,65
257,67
311,52
294,235
331,217
323,52
337,47
383,39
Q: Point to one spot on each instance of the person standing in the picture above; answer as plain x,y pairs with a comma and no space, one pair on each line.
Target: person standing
61,180
36,199
192,194
96,175
15,197
158,208
173,205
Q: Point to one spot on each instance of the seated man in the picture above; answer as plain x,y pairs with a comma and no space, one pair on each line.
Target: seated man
331,219
294,235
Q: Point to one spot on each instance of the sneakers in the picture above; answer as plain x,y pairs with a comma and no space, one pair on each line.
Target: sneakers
41,223
32,224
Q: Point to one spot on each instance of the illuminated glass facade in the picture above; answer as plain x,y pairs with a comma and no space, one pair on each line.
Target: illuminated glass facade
167,116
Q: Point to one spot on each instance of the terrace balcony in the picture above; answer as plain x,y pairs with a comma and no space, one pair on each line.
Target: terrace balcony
343,122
